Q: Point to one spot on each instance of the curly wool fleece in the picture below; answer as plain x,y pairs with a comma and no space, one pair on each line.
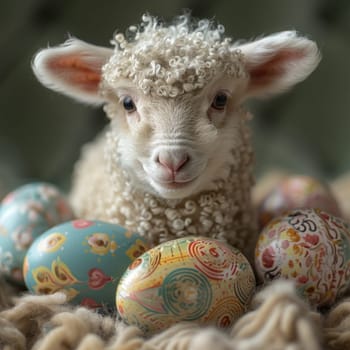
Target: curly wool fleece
169,61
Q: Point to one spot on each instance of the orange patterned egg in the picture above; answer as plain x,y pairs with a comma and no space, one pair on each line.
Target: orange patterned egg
296,192
187,279
310,247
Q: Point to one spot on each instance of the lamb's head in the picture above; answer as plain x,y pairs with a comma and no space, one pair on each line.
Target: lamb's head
174,95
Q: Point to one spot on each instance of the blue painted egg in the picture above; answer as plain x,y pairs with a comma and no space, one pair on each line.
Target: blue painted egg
85,259
48,196
25,214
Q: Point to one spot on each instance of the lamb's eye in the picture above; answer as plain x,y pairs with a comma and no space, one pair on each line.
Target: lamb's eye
129,104
220,101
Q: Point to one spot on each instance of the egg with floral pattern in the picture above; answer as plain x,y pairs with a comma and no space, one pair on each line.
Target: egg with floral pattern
24,215
82,258
310,247
51,199
188,279
295,192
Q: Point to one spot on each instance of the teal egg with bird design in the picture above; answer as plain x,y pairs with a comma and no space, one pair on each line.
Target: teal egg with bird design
82,258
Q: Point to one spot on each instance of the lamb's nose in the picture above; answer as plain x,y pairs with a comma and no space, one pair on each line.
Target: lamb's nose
173,160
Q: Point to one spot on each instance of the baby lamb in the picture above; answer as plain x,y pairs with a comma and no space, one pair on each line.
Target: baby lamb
176,159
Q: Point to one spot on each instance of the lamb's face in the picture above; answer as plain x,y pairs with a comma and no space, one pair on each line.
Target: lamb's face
175,147
173,93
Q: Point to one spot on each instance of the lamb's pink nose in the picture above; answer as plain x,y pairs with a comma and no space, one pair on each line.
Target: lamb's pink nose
174,161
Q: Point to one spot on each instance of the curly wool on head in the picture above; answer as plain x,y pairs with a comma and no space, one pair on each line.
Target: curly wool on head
172,60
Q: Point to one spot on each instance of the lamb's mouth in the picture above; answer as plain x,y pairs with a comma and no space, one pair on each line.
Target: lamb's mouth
175,189
174,185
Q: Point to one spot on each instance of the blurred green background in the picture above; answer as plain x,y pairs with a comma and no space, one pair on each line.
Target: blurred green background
41,132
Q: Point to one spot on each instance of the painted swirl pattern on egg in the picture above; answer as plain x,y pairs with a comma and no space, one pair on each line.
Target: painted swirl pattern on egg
215,261
186,294
187,279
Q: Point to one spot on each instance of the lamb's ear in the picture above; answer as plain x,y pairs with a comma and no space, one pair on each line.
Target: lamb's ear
74,69
277,62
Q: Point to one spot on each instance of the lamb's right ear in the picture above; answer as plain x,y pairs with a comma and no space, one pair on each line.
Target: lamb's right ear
74,69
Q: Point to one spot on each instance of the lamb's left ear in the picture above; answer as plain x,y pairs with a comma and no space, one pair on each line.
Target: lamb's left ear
74,69
277,62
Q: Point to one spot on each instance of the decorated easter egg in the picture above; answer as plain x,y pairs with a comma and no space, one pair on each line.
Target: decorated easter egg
310,247
84,259
187,279
47,196
295,192
25,214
